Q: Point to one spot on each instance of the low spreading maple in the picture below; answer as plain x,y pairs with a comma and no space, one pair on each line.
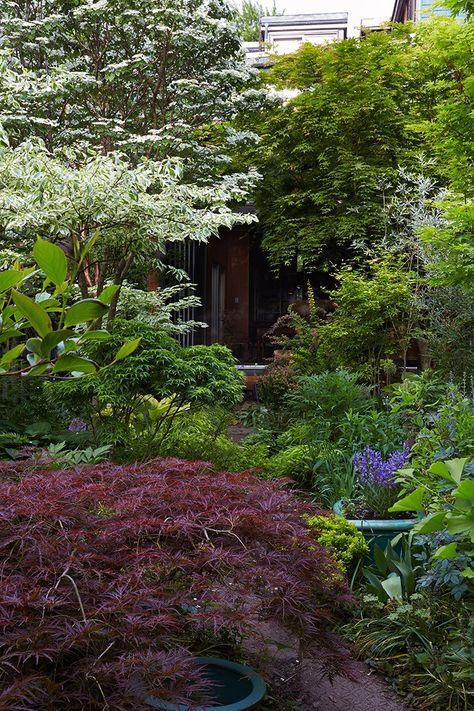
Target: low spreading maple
112,577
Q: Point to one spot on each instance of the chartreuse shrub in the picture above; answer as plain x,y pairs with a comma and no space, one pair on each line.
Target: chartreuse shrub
345,543
138,401
114,577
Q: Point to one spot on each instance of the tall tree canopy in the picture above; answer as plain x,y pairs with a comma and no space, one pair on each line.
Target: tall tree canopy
329,155
145,78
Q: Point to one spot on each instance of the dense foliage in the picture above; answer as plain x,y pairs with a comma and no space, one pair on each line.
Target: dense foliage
114,576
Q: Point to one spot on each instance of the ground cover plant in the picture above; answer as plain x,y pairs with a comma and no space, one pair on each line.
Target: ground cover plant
114,576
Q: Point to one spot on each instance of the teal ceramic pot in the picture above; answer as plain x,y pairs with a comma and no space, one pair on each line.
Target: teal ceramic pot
377,531
235,687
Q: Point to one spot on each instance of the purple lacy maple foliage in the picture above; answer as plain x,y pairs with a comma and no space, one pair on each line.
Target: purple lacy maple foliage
108,572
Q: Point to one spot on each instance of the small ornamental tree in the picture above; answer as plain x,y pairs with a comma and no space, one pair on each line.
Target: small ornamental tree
114,577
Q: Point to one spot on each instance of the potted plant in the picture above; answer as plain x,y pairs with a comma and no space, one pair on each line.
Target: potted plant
376,490
232,687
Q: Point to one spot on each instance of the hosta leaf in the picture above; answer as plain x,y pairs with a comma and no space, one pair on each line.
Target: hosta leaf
412,502
73,363
85,310
127,349
33,312
51,259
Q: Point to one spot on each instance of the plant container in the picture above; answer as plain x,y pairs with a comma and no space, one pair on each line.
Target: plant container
377,531
235,687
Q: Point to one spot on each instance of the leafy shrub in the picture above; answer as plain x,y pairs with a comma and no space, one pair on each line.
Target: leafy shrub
273,387
327,397
425,645
114,576
200,436
346,544
294,462
380,429
160,368
445,493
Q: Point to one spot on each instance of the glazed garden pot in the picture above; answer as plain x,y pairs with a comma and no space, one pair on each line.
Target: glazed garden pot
235,687
377,531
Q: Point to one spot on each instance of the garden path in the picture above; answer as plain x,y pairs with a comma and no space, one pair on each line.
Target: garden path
298,682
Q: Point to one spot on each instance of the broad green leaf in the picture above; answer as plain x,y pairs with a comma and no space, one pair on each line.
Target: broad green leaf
85,310
127,349
432,523
461,524
84,251
71,363
447,551
52,339
467,573
393,587
51,259
108,293
98,335
465,490
412,502
39,369
34,345
9,278
12,355
456,468
34,313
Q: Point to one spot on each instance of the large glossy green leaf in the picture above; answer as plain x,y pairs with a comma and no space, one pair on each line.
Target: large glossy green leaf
11,355
108,293
393,587
127,349
447,551
33,312
462,524
99,335
431,524
456,468
52,339
465,490
51,259
72,363
412,502
85,310
9,278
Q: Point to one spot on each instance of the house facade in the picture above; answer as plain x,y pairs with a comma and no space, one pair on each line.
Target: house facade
416,10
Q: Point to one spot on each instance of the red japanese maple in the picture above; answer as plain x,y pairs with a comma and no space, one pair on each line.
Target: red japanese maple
109,575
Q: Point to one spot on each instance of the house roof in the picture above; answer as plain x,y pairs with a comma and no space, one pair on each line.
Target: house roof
308,19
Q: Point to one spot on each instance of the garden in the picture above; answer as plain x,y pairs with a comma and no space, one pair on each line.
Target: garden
148,557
